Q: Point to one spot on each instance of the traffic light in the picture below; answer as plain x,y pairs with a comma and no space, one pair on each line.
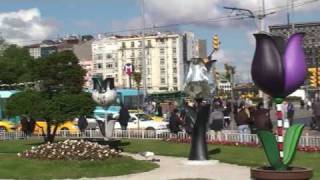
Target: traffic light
215,42
313,77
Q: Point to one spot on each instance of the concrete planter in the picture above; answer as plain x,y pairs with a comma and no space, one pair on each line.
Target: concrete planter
294,173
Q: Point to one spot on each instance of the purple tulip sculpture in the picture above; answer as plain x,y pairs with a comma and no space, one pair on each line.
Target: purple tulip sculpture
278,69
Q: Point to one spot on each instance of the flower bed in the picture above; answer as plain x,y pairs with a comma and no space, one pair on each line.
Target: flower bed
71,150
308,149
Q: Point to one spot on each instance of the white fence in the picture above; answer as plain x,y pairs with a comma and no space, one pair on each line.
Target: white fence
224,136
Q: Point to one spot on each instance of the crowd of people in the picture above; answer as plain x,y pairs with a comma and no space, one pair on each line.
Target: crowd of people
248,117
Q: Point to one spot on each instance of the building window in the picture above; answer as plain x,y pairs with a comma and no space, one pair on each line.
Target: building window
99,66
174,70
161,50
162,70
109,56
98,56
162,80
174,41
132,44
174,60
149,43
175,80
123,45
174,50
149,71
162,61
108,65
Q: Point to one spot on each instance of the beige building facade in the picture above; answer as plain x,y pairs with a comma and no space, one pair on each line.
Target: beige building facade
166,56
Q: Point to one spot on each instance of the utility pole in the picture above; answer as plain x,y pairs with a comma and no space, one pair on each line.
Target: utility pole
143,60
261,28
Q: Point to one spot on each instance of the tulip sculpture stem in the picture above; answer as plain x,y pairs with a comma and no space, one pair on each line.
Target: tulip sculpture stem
280,132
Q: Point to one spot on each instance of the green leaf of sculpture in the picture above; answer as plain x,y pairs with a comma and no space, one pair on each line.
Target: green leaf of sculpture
270,147
291,140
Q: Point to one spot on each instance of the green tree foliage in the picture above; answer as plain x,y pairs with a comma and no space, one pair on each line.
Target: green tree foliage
27,104
60,97
60,72
16,65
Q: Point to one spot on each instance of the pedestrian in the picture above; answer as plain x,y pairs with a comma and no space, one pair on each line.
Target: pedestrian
290,112
226,114
309,104
215,122
175,122
316,113
301,104
124,117
243,120
159,110
261,118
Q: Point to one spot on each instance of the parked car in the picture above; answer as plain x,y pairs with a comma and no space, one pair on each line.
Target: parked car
69,126
7,126
144,122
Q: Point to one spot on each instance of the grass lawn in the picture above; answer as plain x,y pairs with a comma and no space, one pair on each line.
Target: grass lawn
247,156
13,167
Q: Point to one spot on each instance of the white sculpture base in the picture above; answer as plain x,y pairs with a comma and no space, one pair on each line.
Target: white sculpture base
200,163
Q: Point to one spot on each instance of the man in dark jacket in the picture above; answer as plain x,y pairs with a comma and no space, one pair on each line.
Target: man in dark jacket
316,112
243,120
124,117
261,118
175,122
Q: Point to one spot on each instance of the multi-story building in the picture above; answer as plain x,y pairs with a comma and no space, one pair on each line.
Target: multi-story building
166,55
83,51
311,39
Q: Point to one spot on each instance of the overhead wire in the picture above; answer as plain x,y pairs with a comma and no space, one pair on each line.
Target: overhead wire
197,21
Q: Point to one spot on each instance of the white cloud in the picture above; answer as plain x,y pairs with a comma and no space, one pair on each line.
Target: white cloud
24,26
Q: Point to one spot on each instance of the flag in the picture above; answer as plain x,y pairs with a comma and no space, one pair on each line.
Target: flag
128,69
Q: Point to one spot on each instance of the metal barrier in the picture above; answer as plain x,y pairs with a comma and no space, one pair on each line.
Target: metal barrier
223,136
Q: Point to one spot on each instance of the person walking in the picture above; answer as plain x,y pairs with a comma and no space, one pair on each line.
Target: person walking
215,122
290,112
124,117
261,118
175,122
302,104
316,113
243,120
159,110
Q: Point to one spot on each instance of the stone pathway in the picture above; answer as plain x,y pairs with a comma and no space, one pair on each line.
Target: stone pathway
172,168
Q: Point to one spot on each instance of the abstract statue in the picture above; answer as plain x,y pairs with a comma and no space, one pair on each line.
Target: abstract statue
278,69
197,86
104,94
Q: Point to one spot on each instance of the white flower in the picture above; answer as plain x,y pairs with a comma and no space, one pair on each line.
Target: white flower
19,155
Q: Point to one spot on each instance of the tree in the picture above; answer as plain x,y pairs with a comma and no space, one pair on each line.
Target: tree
60,97
27,104
66,106
16,65
61,72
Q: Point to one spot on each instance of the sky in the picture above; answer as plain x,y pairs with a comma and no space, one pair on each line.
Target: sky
28,21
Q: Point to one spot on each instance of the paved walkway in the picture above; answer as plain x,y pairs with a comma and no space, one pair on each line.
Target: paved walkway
172,168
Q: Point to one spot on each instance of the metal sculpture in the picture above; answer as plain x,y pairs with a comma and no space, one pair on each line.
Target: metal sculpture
104,94
197,86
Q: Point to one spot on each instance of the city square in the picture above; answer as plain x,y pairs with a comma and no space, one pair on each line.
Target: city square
166,90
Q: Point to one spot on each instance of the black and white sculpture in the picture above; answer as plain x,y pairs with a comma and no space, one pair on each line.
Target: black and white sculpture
197,86
104,94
